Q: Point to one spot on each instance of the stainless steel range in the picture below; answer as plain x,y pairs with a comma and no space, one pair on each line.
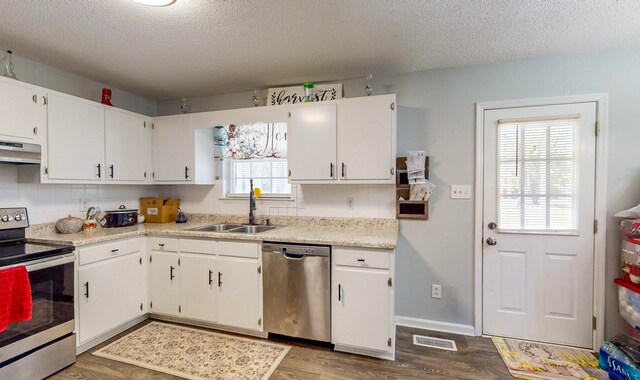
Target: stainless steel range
45,344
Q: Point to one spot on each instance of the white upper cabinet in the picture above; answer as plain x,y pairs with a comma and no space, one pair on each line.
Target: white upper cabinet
75,139
173,149
346,141
183,151
311,142
366,138
20,104
128,146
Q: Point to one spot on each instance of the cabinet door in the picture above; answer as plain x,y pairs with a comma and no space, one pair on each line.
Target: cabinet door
365,138
238,293
111,293
198,287
173,149
18,103
127,144
76,138
311,145
163,283
360,308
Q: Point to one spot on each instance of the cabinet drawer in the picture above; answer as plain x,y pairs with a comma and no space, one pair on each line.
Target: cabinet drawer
238,249
163,244
92,254
197,246
364,258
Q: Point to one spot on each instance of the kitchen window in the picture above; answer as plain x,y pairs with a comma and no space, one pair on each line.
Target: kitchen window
255,151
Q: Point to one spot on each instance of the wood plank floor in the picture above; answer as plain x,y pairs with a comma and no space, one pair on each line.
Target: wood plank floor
476,358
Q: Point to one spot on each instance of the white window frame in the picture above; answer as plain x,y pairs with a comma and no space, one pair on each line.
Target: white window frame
521,166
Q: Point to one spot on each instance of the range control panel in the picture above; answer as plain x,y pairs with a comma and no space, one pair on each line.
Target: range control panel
13,218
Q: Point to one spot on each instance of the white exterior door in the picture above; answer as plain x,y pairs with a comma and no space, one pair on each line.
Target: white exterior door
163,283
311,148
539,194
198,287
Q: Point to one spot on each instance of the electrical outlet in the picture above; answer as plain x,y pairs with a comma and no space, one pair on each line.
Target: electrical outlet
436,291
460,192
84,204
351,202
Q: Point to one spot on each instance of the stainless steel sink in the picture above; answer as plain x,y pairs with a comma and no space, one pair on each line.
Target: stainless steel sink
247,229
222,227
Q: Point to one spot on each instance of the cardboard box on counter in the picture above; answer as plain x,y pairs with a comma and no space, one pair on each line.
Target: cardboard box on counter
159,210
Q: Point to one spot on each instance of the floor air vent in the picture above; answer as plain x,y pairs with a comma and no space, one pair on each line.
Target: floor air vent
441,344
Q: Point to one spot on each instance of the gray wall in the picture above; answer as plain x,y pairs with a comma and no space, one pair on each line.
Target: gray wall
436,112
49,77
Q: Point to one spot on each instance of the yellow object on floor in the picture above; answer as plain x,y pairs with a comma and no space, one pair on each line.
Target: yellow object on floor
538,361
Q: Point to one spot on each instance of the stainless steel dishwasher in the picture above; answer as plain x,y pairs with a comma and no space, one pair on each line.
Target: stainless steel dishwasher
297,290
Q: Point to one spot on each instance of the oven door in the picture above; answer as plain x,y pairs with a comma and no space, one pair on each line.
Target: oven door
52,291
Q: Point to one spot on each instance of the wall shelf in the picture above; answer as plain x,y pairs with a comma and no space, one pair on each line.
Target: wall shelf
409,209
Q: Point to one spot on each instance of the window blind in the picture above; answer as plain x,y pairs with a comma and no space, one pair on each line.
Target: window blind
537,165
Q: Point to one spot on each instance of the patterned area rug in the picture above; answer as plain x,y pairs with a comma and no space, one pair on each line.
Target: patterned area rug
196,354
531,360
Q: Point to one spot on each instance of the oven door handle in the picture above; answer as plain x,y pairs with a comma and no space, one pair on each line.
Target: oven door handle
48,262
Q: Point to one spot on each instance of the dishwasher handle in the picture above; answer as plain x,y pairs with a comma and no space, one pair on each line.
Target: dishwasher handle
293,256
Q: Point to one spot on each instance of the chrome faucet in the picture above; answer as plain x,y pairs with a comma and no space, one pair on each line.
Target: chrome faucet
252,204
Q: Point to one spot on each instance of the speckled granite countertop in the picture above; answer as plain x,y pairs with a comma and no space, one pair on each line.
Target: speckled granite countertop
348,232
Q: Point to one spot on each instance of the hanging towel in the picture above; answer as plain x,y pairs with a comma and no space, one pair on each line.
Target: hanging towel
15,296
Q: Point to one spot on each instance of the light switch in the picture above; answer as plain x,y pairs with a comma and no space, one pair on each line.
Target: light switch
460,192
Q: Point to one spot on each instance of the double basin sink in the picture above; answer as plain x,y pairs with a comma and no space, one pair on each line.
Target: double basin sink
234,228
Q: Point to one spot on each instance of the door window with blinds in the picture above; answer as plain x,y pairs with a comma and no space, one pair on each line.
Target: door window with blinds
255,151
537,176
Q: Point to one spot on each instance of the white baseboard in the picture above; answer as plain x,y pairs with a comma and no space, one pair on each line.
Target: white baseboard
453,328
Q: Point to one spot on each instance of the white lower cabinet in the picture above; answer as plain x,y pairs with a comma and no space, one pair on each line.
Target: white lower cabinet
206,280
363,304
163,283
239,292
111,286
198,287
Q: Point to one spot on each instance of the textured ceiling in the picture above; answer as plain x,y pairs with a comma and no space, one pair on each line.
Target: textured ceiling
206,47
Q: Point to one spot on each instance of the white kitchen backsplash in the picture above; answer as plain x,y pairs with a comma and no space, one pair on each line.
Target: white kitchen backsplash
48,203
369,201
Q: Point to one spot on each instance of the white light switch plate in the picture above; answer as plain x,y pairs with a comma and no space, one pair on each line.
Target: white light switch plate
460,192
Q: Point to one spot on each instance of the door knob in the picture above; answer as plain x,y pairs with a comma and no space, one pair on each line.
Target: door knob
491,241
